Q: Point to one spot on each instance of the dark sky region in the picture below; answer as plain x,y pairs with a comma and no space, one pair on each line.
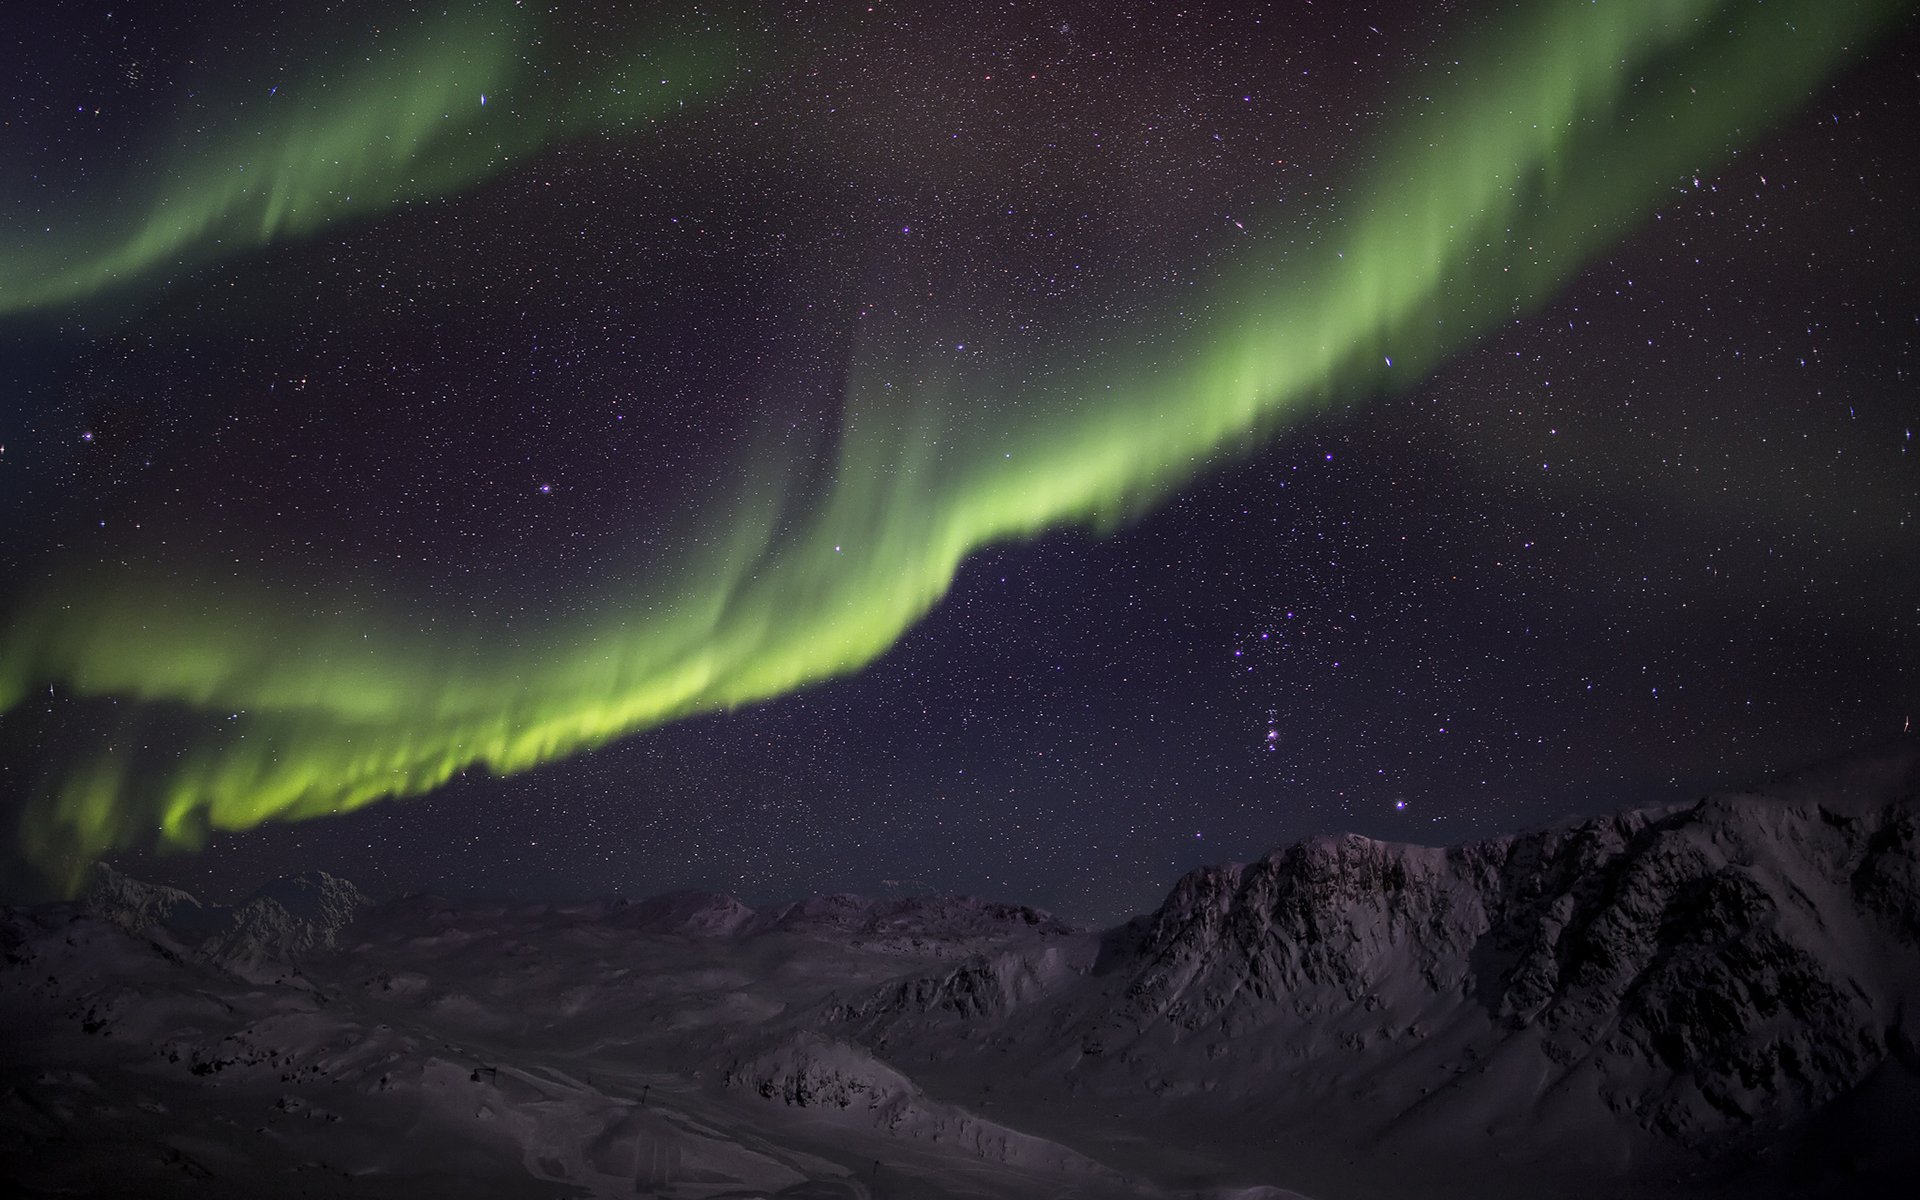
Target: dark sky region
1640,530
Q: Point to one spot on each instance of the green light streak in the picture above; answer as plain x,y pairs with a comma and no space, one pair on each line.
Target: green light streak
412,115
1538,149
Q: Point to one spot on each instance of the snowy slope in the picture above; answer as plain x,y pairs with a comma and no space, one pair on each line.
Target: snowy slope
1717,999
1668,992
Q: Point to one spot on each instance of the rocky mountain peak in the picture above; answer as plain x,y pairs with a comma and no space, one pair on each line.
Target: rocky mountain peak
1709,962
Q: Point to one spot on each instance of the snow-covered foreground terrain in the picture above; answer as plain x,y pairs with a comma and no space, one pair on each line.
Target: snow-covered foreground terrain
1713,1000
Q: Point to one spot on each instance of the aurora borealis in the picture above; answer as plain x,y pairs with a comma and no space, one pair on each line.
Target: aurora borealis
405,118
866,443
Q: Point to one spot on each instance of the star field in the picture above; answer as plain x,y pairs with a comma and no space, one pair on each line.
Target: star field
1650,535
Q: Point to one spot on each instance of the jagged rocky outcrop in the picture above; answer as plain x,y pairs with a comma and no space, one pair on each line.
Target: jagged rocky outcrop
1720,998
1705,976
294,916
1319,925
1718,968
934,1014
278,924
137,906
807,1070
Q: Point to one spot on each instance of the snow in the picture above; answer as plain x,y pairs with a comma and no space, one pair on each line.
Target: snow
1716,999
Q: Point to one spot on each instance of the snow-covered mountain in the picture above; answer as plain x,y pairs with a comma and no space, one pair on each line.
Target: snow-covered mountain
1715,999
261,937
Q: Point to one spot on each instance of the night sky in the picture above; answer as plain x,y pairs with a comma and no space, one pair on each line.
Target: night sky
579,460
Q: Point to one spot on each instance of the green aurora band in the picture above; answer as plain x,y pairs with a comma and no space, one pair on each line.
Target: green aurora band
1538,148
421,113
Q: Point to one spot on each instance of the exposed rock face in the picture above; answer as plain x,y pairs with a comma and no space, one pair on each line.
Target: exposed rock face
137,906
809,1071
1714,946
1701,1000
1317,926
282,921
1887,881
981,988
291,917
1741,960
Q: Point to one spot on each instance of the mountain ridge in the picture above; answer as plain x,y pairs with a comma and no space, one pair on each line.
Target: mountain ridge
1720,998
